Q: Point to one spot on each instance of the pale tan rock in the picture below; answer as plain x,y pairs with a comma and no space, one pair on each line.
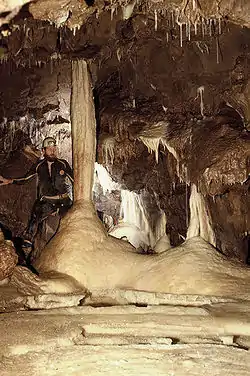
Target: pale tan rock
82,249
227,340
10,5
98,262
52,282
66,326
243,341
63,343
162,245
121,340
129,359
8,258
158,325
103,297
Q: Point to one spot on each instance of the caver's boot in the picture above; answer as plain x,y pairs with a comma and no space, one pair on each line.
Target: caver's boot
27,247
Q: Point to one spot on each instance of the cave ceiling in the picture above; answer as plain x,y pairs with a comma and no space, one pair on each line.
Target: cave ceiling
151,61
74,13
140,53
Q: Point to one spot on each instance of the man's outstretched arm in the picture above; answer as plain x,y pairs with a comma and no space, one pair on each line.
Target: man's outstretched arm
25,179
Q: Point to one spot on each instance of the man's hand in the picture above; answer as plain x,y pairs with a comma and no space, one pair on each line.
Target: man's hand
4,181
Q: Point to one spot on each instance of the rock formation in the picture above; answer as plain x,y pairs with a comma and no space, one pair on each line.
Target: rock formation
82,249
156,92
8,258
170,117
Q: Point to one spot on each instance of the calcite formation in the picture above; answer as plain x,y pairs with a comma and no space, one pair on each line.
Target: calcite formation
8,258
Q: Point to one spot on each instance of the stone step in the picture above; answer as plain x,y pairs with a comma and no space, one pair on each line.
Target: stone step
142,298
13,300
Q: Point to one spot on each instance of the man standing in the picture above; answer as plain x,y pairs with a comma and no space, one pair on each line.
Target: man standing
54,187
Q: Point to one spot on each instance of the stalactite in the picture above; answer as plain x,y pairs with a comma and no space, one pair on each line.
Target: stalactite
203,27
105,180
200,92
189,30
127,10
181,37
112,10
152,145
156,20
219,25
134,219
210,27
217,51
134,212
108,150
195,28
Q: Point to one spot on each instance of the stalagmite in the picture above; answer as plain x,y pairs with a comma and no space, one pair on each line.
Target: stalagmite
63,252
160,228
82,255
200,223
162,245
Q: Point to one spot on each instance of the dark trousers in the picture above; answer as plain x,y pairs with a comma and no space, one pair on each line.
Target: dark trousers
41,210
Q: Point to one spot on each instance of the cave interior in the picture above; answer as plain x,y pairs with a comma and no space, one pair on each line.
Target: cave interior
171,91
171,99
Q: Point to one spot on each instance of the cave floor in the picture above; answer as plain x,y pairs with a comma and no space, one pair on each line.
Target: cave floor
123,332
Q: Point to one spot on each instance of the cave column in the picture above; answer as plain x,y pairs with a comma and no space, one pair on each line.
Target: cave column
83,131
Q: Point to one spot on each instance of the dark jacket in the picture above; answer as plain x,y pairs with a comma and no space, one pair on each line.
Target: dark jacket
59,182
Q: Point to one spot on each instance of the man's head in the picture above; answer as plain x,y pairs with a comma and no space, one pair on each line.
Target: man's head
49,149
